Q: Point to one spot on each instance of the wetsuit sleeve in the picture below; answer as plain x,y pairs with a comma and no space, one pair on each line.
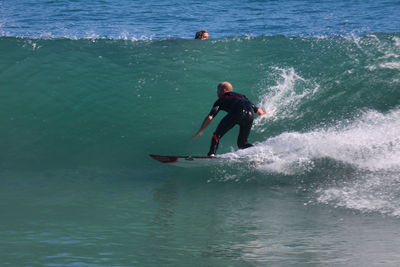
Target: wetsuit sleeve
254,107
215,109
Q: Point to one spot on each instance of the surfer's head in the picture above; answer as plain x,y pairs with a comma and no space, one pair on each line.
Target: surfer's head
202,34
223,88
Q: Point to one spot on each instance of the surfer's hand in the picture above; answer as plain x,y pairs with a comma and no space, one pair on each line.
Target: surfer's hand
204,125
261,112
197,135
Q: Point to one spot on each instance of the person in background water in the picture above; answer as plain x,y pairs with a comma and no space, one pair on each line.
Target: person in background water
202,34
240,111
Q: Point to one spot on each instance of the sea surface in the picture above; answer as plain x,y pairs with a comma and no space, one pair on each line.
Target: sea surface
88,89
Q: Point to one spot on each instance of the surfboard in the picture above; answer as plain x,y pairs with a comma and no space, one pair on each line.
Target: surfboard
199,161
187,161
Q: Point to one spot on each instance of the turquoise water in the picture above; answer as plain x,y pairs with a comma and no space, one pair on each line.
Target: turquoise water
68,103
83,102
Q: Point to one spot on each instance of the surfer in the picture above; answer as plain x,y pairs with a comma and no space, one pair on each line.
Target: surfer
202,34
240,111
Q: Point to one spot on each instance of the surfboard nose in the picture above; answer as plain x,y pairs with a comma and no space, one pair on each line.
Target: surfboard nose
165,159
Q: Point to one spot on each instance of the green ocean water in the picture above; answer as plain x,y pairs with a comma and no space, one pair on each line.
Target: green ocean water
68,103
79,118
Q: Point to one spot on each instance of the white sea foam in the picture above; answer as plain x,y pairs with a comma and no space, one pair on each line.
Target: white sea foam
366,192
370,144
390,65
390,51
87,35
396,41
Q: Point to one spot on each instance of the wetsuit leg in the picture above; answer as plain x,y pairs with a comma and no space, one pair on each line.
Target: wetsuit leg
223,127
243,135
246,121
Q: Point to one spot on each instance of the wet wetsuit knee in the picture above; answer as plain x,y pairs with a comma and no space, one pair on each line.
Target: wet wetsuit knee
243,118
245,124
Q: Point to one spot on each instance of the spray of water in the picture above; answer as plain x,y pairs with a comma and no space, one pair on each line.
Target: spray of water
369,144
281,100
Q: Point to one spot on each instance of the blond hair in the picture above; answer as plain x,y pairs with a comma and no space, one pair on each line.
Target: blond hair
225,86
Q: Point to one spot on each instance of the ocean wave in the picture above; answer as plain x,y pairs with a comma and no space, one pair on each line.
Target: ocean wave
303,83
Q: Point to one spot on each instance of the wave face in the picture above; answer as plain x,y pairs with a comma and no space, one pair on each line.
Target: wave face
332,102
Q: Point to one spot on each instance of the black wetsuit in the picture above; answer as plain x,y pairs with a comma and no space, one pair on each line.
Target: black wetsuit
240,111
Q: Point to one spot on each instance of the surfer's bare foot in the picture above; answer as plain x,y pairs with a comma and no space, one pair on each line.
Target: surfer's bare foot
211,155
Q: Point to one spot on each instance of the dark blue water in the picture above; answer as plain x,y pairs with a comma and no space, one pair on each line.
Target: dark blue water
157,19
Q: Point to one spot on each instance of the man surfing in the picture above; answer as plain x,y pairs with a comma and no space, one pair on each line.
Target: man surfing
240,111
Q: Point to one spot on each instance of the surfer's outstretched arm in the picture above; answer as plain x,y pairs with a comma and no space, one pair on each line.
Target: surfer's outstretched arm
204,125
